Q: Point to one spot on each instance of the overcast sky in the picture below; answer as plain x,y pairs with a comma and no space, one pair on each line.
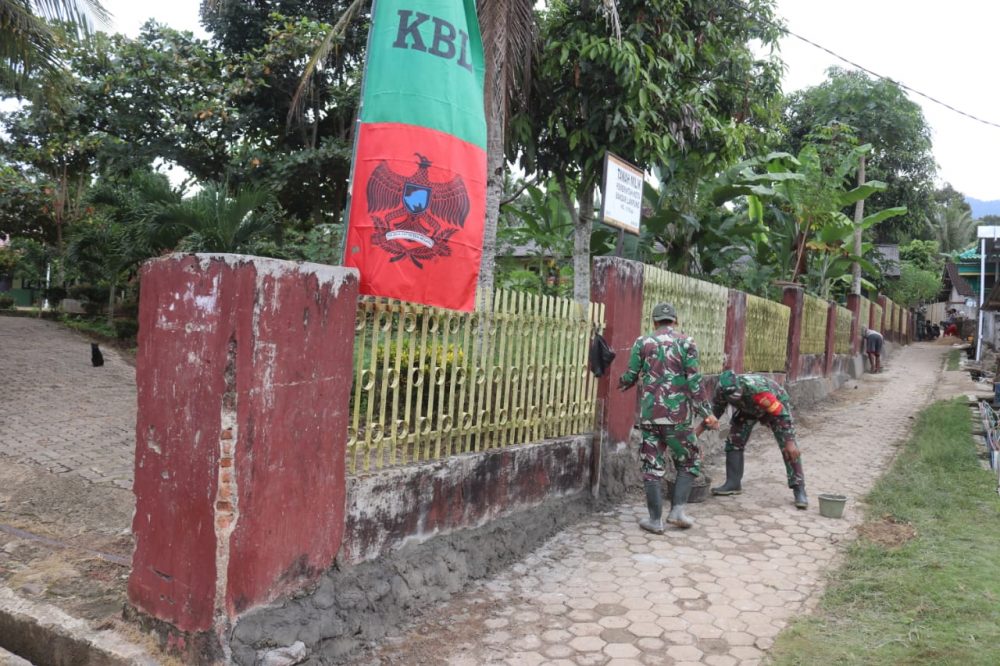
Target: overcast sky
947,50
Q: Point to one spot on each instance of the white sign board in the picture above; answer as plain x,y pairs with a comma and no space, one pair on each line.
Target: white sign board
622,206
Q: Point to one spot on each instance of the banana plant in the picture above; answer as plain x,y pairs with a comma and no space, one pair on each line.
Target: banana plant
831,247
697,221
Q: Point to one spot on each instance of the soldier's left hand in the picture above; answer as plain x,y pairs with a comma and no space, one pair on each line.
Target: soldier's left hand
790,452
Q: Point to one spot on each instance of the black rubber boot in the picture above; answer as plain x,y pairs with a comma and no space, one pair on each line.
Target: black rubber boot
654,502
682,490
734,474
801,500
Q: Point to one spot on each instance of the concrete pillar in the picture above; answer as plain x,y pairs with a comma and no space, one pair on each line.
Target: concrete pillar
617,283
244,380
882,301
831,338
736,331
793,297
854,305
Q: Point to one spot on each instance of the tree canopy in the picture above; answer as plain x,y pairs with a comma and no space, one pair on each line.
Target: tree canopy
880,114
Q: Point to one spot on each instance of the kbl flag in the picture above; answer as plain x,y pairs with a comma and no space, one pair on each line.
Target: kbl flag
418,197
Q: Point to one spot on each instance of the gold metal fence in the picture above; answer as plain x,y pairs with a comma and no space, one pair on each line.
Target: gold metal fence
766,335
814,311
701,311
864,315
430,383
842,336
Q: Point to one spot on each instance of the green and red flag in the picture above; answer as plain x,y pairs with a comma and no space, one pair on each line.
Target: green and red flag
418,195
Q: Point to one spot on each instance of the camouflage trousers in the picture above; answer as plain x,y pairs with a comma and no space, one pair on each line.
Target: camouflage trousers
681,441
742,425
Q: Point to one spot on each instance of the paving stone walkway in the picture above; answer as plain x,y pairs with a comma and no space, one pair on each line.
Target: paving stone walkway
604,592
58,410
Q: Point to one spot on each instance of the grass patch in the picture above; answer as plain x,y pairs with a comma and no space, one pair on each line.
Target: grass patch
99,327
934,599
953,356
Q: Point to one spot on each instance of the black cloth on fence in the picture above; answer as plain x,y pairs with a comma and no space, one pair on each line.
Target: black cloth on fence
601,355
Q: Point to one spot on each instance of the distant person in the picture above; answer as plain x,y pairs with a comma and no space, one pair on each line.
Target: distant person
665,364
757,399
873,348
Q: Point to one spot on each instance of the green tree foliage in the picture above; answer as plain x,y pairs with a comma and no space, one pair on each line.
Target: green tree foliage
925,255
682,78
26,205
223,116
880,114
952,198
915,286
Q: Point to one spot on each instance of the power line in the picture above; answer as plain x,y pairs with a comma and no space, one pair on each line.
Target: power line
891,80
850,62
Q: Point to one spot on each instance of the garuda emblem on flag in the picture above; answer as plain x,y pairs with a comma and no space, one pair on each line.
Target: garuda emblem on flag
422,215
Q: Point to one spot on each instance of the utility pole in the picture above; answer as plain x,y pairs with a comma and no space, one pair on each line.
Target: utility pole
859,214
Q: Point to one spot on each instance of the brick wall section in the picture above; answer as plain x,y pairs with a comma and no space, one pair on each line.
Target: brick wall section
243,377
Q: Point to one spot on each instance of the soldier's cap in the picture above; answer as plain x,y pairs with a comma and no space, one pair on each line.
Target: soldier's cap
728,384
664,312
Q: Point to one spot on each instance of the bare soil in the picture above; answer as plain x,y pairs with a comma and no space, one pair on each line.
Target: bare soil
75,532
888,532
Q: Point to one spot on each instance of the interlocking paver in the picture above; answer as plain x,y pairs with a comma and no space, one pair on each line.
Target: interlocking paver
59,411
720,592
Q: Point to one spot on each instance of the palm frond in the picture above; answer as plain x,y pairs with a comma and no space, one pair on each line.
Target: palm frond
28,44
335,35
510,42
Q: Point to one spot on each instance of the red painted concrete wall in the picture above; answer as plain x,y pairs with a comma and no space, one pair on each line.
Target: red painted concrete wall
736,331
793,297
243,376
618,284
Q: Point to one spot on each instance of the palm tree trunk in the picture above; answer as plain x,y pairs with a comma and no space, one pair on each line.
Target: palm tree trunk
494,191
111,303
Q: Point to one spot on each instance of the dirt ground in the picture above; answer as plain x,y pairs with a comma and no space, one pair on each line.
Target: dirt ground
64,541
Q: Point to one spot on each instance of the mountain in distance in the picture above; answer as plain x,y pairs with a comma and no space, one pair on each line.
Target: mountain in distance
982,208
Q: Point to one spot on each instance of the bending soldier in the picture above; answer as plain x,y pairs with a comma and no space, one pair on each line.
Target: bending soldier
666,365
756,398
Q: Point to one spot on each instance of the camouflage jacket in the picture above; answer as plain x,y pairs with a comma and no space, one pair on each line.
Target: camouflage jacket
665,364
755,396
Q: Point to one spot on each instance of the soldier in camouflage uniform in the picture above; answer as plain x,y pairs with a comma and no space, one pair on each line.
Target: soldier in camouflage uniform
665,363
757,398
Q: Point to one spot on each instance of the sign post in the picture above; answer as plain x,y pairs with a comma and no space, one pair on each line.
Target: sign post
622,203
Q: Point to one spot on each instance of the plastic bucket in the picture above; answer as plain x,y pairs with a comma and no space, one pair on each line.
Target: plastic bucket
832,506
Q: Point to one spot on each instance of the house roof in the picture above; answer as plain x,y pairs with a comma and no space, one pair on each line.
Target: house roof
890,255
953,279
992,301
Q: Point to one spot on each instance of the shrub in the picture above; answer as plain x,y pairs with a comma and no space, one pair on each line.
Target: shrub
126,329
92,307
6,302
127,310
89,292
55,294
